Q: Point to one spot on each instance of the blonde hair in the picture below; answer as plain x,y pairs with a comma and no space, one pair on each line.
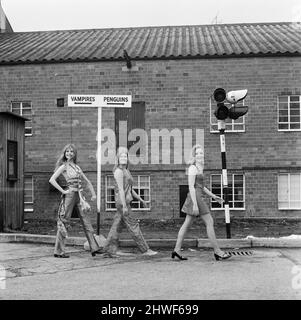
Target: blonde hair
193,152
121,150
62,158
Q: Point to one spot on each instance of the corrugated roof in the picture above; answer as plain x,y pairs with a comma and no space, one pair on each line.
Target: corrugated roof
168,42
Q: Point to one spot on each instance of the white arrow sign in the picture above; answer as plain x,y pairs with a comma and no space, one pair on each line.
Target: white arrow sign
86,100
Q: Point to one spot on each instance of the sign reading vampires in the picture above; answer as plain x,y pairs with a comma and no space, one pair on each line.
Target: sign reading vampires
86,100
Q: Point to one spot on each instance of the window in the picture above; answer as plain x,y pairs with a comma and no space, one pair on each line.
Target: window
289,110
24,109
141,186
28,193
289,191
110,193
236,185
231,125
12,160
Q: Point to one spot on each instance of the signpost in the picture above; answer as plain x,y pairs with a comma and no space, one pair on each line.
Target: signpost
99,101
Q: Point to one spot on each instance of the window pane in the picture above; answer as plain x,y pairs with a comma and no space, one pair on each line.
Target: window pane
295,205
295,108
215,205
283,111
26,105
216,179
295,126
239,204
294,98
135,178
283,119
28,207
283,188
28,199
283,126
283,99
16,107
283,205
144,193
295,187
110,181
28,130
144,181
214,127
110,195
216,191
26,112
239,127
135,204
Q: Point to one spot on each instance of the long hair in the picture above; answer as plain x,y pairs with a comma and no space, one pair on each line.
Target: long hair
118,153
62,158
192,154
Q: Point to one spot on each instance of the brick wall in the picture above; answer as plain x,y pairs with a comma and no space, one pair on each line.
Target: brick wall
176,95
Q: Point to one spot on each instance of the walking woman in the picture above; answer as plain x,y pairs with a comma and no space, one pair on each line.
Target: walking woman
71,197
196,206
124,194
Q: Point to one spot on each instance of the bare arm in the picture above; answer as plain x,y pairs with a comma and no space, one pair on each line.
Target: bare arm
53,178
135,195
192,171
215,197
118,175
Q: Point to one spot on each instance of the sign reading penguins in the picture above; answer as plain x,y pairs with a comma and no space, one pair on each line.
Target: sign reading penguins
85,100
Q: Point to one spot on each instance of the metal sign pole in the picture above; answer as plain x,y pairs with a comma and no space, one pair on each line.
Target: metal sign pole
98,168
221,128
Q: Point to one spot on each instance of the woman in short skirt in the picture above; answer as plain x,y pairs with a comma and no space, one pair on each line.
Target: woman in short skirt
195,205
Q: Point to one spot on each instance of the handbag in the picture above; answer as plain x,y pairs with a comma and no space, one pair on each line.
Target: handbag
188,206
83,203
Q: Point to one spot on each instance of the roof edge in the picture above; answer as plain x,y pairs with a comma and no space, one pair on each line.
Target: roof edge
86,60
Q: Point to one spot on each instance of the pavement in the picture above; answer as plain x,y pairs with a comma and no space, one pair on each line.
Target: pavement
267,268
28,271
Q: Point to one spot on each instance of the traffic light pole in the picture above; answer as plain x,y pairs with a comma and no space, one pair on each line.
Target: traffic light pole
221,128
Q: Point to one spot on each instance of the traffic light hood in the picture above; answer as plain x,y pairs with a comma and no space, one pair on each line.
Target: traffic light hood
236,96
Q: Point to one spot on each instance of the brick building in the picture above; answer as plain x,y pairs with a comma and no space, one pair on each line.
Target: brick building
173,75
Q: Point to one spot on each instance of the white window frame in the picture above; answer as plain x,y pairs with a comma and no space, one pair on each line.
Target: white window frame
32,194
288,191
106,193
288,110
222,195
230,123
21,114
140,208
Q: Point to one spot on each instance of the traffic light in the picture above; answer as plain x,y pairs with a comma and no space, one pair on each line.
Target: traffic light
233,97
221,112
237,111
